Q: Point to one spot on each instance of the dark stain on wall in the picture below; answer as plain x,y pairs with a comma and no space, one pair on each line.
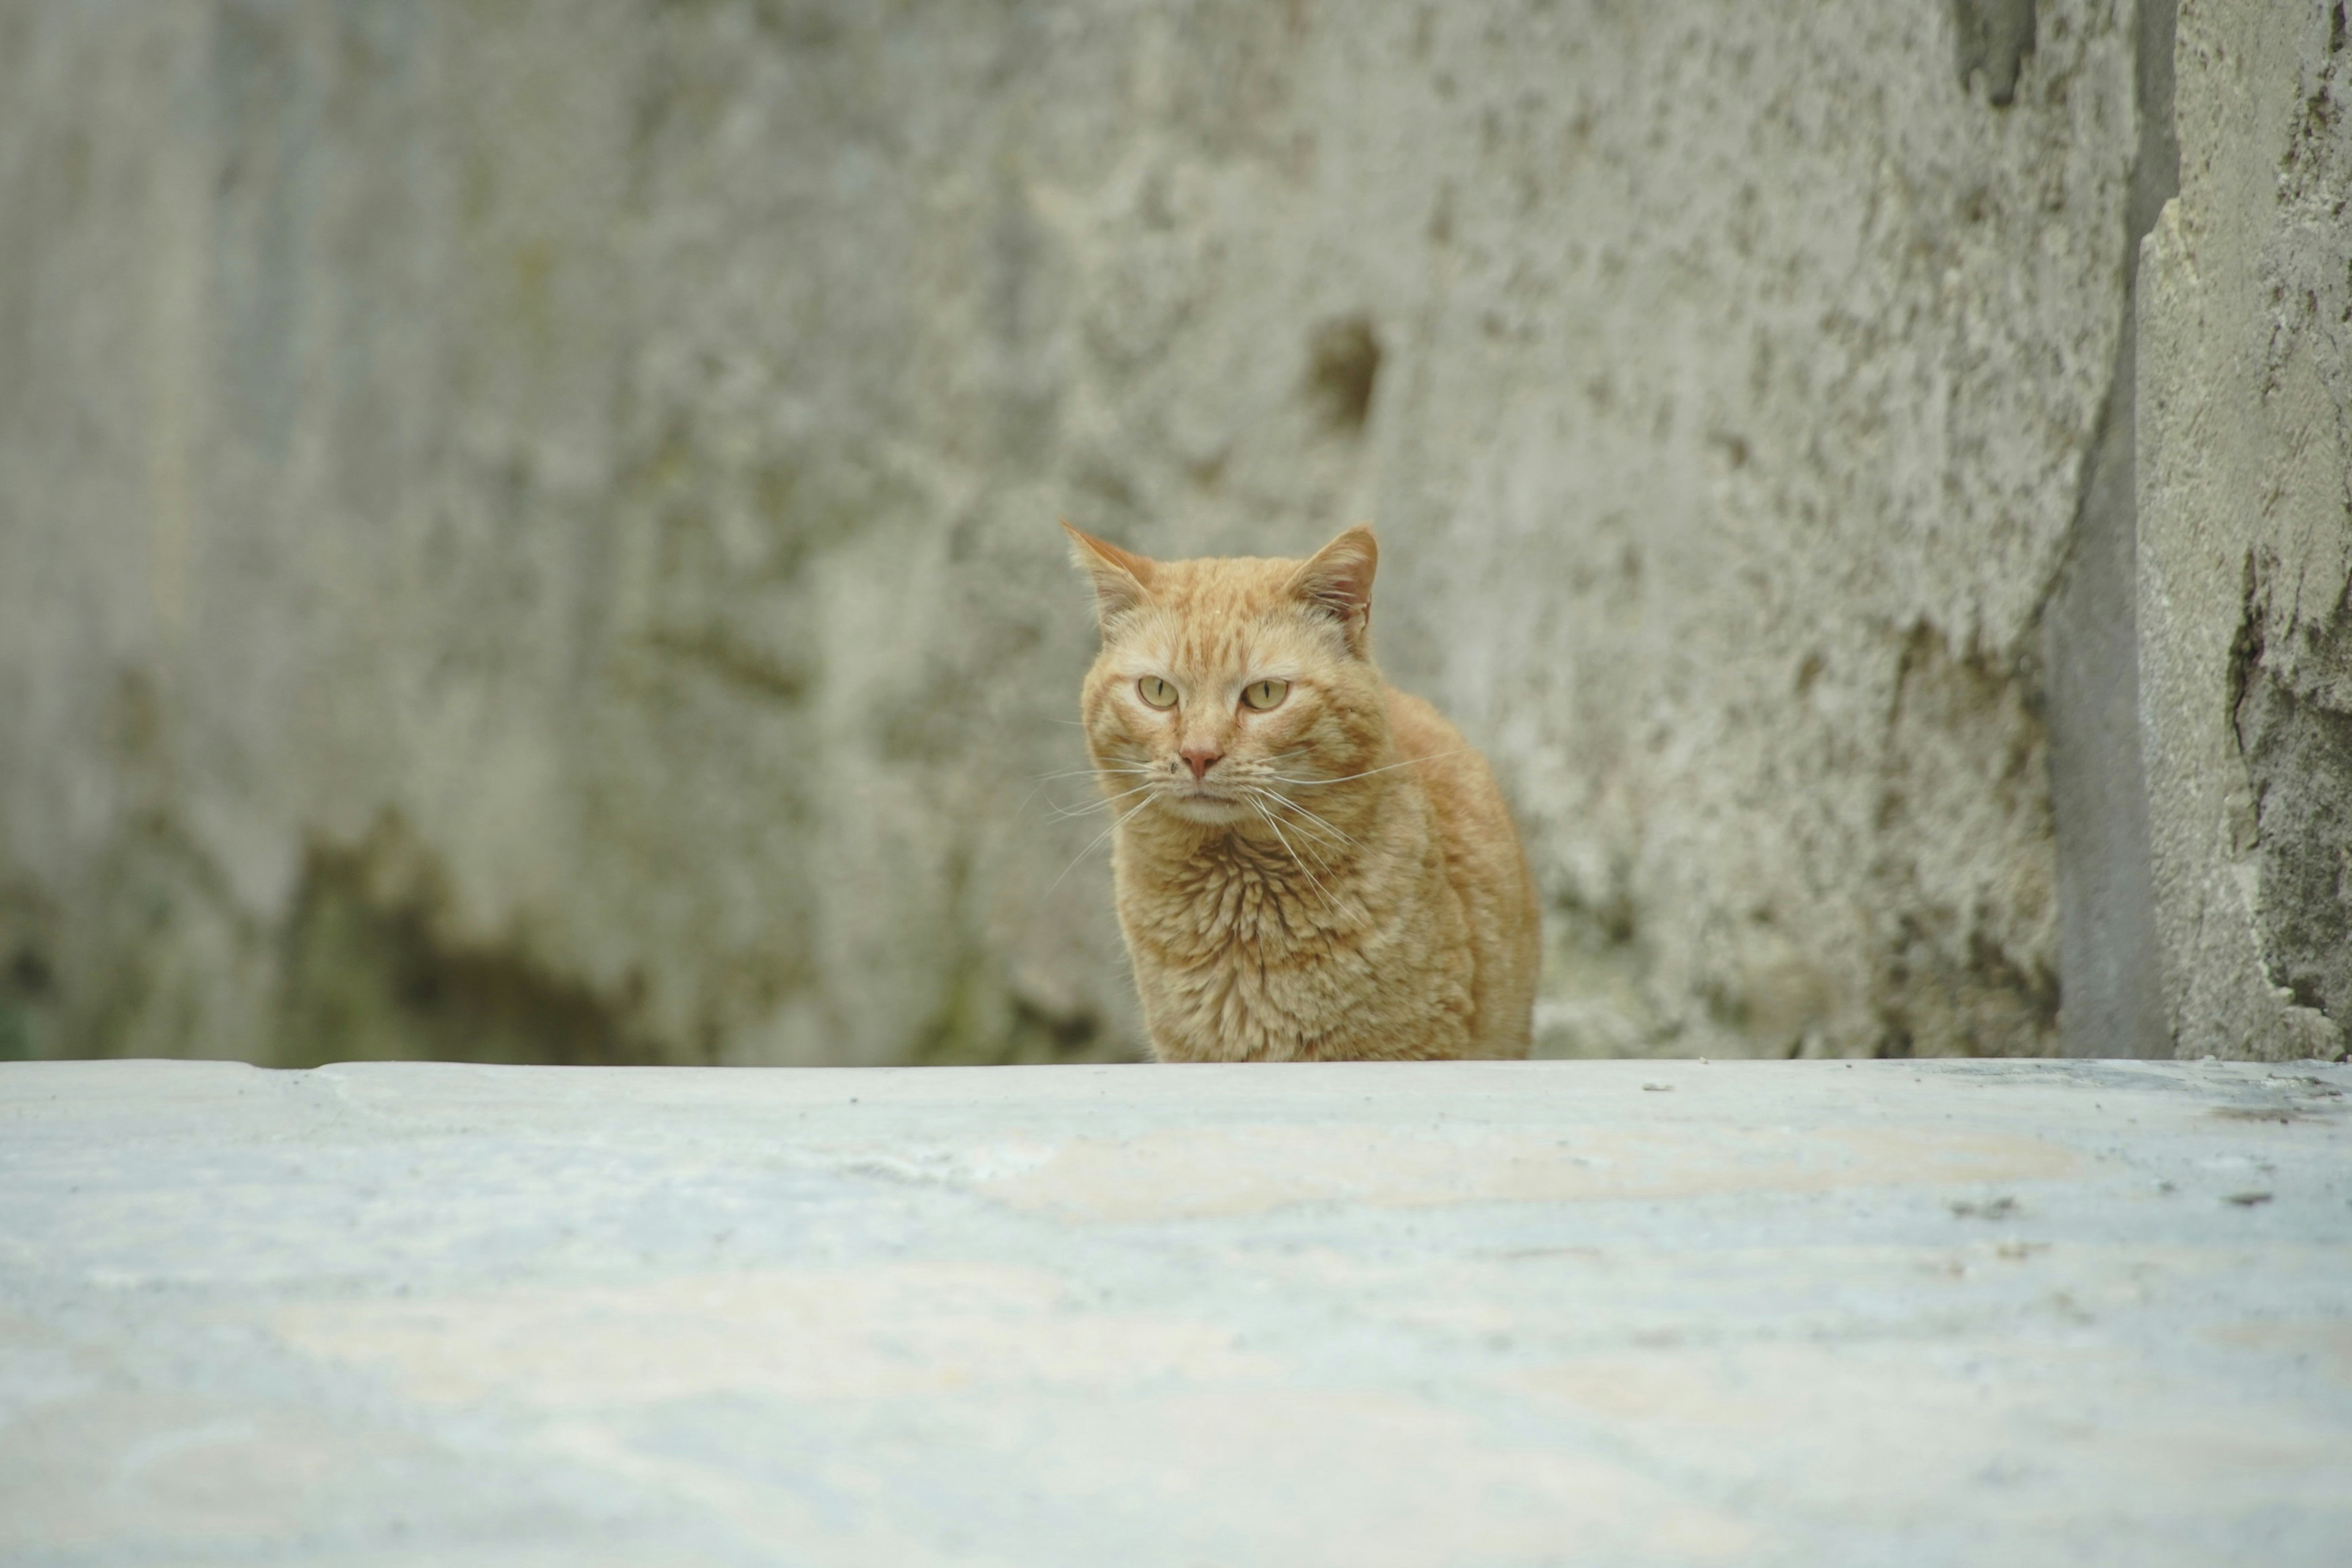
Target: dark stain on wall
1994,38
1343,371
369,974
29,981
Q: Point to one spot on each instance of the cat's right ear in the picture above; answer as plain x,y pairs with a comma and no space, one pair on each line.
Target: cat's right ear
1122,581
1338,582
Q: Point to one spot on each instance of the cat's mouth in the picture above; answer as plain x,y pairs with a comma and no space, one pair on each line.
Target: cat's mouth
1203,803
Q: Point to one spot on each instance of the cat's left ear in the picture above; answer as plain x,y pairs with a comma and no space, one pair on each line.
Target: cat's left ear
1338,582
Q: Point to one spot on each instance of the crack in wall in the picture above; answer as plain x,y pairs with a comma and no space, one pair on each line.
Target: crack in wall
2295,732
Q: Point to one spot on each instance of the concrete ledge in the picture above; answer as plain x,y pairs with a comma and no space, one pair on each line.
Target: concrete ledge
1810,1312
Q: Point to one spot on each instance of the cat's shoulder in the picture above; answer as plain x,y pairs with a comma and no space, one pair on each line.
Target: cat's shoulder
1460,783
1418,730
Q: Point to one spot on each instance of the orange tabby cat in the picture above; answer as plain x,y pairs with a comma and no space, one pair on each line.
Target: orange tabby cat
1310,866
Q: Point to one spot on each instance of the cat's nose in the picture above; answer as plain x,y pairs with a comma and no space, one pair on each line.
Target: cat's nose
1202,759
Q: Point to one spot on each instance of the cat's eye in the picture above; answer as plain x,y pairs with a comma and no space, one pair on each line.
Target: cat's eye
1156,691
1264,694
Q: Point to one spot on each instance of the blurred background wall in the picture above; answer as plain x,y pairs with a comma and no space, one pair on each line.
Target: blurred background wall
527,531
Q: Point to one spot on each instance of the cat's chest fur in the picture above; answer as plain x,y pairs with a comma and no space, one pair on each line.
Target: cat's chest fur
1247,950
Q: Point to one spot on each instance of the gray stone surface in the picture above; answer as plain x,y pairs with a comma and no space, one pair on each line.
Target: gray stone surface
2245,569
1802,1313
2109,962
527,529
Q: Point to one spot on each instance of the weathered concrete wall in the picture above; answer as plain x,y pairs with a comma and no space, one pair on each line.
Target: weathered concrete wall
535,523
2245,480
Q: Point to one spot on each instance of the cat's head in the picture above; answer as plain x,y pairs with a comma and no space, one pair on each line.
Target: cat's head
1222,682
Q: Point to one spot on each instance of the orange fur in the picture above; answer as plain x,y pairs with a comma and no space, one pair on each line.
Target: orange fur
1342,881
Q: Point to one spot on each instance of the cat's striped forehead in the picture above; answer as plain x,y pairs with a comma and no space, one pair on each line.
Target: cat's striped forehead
1222,613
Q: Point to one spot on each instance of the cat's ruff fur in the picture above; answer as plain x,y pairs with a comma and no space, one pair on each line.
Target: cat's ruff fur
1343,881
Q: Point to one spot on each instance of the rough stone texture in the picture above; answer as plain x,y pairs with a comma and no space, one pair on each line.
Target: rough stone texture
1626,1314
530,528
2246,553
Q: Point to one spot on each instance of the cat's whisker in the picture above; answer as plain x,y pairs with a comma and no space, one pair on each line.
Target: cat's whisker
1321,892
1085,773
1149,782
1095,844
1268,798
1064,813
1090,771
1323,868
1061,811
1321,823
1367,773
1259,800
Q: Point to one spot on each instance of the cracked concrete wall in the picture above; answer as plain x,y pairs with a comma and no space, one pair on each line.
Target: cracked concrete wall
2245,485
534,524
